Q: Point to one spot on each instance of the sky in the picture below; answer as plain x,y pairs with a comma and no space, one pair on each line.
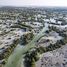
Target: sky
33,3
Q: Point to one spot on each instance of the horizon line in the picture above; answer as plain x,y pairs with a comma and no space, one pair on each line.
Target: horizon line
31,6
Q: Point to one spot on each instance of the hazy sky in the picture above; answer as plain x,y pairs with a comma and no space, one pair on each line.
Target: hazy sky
33,2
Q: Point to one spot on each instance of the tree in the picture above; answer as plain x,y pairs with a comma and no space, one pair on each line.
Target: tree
33,63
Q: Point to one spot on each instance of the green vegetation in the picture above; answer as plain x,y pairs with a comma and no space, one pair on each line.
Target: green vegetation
24,25
7,52
30,58
26,38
